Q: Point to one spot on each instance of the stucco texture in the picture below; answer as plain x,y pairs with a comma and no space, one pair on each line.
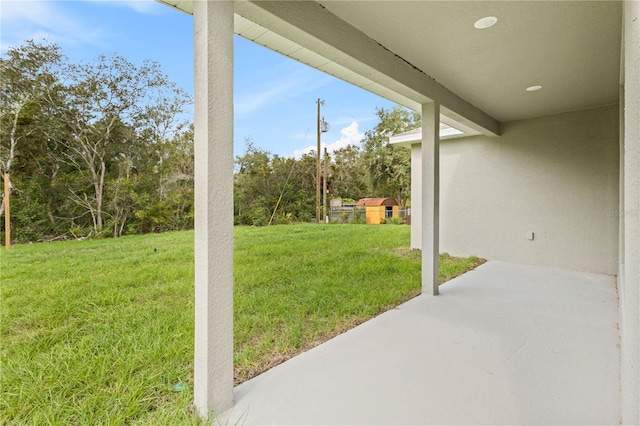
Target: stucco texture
629,278
556,176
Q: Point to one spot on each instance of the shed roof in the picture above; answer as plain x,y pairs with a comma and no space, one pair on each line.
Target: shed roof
377,202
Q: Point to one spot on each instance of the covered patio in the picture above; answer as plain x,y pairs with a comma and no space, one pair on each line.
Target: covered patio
545,172
503,344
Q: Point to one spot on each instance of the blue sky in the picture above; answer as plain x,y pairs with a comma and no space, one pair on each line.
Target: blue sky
275,97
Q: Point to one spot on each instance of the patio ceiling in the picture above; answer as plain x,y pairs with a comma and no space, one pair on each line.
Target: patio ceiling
570,48
413,52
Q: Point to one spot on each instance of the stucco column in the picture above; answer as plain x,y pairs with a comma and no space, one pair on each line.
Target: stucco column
629,276
416,196
430,181
213,149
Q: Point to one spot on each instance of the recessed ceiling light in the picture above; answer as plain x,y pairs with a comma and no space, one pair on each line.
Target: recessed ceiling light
486,22
533,88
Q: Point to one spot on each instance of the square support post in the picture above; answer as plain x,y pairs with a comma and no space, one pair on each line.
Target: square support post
416,196
629,275
213,150
430,197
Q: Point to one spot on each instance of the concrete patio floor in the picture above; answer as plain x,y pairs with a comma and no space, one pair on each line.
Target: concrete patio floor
503,344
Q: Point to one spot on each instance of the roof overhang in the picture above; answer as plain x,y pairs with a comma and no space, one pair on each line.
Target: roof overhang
307,32
415,53
413,137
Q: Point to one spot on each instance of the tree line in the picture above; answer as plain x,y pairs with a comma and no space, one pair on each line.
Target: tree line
100,148
105,148
274,189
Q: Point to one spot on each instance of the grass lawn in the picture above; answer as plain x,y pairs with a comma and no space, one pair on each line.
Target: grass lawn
101,331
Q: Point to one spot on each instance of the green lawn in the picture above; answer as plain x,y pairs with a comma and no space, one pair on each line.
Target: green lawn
101,331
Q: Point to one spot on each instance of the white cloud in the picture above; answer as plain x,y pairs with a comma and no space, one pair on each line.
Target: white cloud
38,20
249,102
41,14
272,85
351,135
140,6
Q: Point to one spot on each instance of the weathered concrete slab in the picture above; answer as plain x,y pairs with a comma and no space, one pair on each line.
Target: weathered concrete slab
504,344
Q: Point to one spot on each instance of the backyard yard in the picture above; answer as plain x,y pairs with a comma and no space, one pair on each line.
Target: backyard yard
101,331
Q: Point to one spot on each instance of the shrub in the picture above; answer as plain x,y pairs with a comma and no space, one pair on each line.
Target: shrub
344,217
358,218
393,221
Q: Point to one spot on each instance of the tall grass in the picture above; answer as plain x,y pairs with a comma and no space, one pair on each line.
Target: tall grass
101,331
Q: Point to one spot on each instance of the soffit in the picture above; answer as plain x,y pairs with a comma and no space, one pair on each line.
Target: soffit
265,37
321,32
266,29
181,5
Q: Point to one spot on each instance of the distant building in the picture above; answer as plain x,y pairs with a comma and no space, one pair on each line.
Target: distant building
335,202
378,209
339,202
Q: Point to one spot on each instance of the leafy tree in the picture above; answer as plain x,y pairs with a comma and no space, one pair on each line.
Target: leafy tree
99,147
252,185
302,198
162,195
99,100
349,173
390,166
28,73
268,185
283,189
103,148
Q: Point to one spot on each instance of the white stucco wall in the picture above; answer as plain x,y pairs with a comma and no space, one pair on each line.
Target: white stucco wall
555,176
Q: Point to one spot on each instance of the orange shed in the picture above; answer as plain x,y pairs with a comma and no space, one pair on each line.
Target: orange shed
378,209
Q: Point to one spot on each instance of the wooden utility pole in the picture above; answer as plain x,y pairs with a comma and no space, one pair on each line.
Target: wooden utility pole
7,213
323,126
319,102
324,187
